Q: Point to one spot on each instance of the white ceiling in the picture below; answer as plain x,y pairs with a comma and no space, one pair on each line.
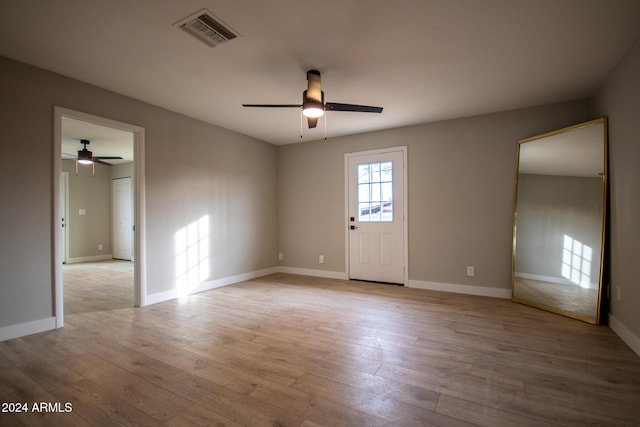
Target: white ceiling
103,141
422,60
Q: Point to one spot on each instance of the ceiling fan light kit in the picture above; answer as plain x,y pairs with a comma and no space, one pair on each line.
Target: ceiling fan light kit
85,161
313,105
85,157
313,110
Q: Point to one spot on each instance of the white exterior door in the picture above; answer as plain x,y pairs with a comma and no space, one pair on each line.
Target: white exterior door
122,215
376,217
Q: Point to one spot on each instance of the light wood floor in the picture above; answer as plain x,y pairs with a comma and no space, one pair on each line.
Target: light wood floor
97,286
571,298
288,350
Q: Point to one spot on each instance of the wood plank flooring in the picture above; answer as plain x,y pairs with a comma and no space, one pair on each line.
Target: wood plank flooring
96,286
287,350
572,298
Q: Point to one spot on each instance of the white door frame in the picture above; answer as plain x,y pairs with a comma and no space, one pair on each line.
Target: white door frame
405,224
64,204
140,279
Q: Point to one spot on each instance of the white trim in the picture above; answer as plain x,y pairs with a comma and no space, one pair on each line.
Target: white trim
314,273
405,189
140,215
482,291
27,328
92,258
64,176
209,285
140,285
56,219
629,338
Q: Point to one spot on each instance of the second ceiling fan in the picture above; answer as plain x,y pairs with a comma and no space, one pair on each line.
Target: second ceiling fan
313,105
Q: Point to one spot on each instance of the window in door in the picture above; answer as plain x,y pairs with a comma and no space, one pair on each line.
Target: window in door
375,192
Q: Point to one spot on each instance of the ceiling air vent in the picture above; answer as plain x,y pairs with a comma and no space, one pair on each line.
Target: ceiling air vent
207,28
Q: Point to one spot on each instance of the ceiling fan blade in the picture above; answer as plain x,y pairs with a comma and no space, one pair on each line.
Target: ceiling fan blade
336,106
314,91
108,157
96,160
312,121
273,105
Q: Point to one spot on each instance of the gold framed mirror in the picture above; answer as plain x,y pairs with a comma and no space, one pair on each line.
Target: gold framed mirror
559,220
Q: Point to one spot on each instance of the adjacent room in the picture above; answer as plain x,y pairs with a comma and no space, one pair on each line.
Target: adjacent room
331,214
96,201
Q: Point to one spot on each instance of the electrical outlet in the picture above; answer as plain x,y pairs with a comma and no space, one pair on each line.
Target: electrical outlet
280,256
471,271
321,259
99,246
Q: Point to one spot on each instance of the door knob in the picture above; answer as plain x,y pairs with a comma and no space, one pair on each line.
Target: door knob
353,227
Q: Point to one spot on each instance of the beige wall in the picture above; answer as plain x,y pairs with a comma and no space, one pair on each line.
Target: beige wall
93,194
619,99
123,170
192,169
461,194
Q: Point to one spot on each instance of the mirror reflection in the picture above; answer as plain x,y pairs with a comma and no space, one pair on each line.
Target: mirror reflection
559,220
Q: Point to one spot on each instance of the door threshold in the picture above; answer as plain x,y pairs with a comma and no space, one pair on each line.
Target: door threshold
377,282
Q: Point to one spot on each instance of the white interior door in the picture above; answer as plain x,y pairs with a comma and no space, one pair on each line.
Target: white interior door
376,204
122,218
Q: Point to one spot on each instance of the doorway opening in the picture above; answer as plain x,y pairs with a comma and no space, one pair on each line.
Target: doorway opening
89,273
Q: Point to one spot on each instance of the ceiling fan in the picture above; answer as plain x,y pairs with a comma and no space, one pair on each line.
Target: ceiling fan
86,157
313,105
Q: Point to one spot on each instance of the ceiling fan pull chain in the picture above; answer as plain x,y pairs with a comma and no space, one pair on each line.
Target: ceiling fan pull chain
325,127
301,119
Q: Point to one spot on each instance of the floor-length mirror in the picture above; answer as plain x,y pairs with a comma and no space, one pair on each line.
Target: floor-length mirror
559,220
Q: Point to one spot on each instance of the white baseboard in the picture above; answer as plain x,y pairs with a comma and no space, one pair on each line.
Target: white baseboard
432,286
207,286
461,289
27,328
314,273
632,340
92,258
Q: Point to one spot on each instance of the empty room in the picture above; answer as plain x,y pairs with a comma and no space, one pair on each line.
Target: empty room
310,214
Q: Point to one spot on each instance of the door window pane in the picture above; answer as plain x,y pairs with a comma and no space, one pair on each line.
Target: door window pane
363,193
375,192
363,173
